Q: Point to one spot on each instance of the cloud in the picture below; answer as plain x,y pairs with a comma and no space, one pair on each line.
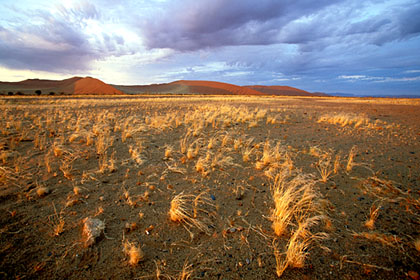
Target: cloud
360,78
403,79
354,78
192,25
61,39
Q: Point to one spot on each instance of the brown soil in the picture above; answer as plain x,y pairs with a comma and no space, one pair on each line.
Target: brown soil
62,143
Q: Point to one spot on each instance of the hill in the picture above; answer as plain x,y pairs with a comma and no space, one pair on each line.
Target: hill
75,85
280,90
190,87
88,85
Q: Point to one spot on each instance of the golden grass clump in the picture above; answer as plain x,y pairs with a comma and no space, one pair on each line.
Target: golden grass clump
298,245
337,164
186,271
389,240
168,151
57,222
382,189
135,153
350,160
373,215
42,191
76,190
417,244
291,197
201,166
135,253
324,167
187,209
212,143
345,119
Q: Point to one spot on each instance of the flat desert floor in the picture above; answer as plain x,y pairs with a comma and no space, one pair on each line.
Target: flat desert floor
209,188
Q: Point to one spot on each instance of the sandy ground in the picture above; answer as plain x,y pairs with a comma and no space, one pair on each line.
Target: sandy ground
66,159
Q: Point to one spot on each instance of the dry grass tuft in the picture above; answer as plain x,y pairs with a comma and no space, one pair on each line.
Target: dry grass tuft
42,191
76,190
350,160
324,167
373,215
57,222
291,197
187,209
417,244
186,271
169,151
298,245
388,240
337,164
381,188
135,253
345,119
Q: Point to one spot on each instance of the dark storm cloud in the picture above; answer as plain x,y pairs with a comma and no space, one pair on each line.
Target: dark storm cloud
193,25
56,41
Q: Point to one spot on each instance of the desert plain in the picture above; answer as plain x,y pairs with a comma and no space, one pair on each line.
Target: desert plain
209,187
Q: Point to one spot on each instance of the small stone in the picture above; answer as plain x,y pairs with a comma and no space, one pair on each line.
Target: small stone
413,275
92,229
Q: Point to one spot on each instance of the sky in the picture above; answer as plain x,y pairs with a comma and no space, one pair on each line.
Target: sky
367,47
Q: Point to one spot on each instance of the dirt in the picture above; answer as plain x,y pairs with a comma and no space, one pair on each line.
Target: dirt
54,143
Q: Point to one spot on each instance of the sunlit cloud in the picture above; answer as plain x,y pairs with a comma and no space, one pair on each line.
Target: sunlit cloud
336,45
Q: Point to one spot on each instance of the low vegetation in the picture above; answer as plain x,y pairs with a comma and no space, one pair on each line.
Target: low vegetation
208,188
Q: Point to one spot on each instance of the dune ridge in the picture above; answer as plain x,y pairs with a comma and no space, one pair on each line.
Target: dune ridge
92,86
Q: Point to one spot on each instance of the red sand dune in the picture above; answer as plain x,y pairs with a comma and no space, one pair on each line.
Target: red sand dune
90,85
280,90
190,87
209,87
75,85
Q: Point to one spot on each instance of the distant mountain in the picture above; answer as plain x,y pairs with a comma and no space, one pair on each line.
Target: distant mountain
342,94
75,85
320,94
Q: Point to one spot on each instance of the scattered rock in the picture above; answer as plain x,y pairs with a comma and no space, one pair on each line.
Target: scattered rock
92,229
413,275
